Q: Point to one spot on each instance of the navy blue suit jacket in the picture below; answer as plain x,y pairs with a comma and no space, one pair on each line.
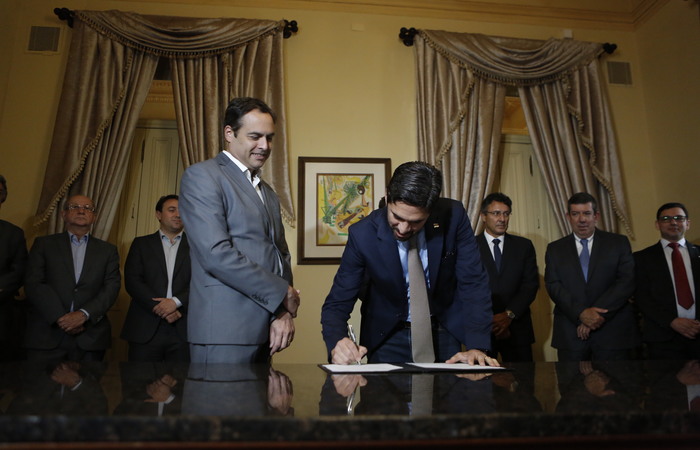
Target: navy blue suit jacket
610,286
459,294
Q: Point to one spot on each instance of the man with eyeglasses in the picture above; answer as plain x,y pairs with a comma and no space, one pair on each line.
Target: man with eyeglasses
512,267
589,276
72,281
668,281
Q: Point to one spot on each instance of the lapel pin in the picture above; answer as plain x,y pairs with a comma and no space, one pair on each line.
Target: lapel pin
436,225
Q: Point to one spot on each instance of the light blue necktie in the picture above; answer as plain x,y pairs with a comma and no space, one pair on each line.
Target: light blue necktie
585,257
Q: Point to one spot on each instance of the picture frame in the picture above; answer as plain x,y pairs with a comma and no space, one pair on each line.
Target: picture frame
334,193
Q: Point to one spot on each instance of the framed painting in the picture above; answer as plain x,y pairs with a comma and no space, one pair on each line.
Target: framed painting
334,193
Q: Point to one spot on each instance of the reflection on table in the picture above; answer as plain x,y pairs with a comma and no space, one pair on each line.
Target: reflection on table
90,402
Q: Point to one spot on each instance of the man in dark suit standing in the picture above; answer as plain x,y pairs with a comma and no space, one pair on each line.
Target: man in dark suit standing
512,267
13,262
242,302
378,259
590,278
72,281
157,277
668,282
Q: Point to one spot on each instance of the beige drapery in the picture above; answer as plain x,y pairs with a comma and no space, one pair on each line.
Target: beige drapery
111,63
461,87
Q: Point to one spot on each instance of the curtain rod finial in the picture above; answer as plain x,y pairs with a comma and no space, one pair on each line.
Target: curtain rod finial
290,27
609,48
65,14
407,35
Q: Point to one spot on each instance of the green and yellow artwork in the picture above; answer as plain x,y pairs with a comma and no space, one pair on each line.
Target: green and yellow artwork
341,199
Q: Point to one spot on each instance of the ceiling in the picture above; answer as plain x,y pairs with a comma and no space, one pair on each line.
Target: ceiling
599,14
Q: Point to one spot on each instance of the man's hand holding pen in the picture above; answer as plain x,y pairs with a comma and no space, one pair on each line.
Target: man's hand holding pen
347,350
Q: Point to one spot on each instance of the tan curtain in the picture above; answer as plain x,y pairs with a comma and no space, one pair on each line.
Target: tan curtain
565,108
459,125
203,88
110,67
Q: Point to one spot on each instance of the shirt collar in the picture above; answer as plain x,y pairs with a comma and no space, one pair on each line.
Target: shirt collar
490,238
255,179
74,238
165,236
665,242
589,238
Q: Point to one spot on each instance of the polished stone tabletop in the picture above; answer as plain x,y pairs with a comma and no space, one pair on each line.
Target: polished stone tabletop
123,402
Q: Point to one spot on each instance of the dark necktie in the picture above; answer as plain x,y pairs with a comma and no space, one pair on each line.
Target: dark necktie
421,329
680,278
497,253
585,258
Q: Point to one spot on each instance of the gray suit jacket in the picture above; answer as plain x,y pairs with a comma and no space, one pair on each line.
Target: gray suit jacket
610,285
51,288
236,246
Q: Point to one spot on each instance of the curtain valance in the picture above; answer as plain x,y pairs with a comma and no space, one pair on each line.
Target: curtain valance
518,62
178,37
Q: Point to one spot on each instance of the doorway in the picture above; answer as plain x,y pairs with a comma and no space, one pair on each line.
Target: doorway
155,168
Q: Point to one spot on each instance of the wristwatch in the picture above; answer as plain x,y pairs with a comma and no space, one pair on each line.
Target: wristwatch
510,314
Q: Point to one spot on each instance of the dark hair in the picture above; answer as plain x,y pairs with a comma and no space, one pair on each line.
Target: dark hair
239,107
3,195
163,199
581,198
669,206
496,197
415,183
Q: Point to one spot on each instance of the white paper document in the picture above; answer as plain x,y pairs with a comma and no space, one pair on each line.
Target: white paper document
456,366
360,368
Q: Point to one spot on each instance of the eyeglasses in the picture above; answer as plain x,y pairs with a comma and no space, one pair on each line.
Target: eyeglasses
667,219
586,214
499,213
88,208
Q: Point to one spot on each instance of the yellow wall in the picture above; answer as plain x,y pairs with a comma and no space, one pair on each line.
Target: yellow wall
350,92
669,51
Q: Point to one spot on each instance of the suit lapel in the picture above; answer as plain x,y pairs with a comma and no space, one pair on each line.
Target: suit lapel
487,256
91,253
596,251
694,254
156,246
388,251
234,174
182,251
506,252
661,269
66,253
572,255
266,192
435,241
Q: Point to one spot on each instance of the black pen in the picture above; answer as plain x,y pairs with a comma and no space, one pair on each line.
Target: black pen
351,334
